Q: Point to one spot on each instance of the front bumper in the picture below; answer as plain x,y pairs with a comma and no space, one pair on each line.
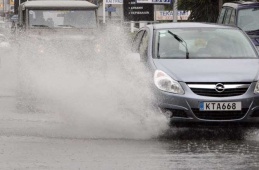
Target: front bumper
185,108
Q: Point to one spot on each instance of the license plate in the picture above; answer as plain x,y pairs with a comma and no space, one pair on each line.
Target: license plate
220,106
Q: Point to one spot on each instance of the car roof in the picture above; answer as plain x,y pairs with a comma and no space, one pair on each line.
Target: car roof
188,25
58,4
241,4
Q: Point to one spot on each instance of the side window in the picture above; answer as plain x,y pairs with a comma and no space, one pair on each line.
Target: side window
221,16
233,18
143,48
228,15
136,41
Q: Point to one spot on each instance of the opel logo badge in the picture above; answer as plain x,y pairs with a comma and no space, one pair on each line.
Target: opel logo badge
220,87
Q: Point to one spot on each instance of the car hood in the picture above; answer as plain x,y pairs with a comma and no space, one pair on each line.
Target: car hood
210,70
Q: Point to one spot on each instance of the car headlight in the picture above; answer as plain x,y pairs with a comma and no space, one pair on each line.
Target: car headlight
166,83
256,91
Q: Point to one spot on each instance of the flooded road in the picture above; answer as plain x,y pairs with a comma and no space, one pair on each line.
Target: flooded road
44,153
59,113
33,139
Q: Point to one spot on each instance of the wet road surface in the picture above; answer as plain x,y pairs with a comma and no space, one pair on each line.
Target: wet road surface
43,134
34,140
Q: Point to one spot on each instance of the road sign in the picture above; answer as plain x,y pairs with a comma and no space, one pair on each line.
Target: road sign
155,1
168,15
138,12
110,9
113,1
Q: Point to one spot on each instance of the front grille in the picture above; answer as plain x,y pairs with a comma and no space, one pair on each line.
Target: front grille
214,93
219,115
210,91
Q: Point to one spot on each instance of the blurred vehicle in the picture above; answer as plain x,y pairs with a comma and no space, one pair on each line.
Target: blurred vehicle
243,14
64,22
14,18
203,73
35,15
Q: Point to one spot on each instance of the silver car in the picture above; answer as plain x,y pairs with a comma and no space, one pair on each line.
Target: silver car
203,73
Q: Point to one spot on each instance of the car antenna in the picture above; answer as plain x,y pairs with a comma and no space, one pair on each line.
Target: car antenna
182,42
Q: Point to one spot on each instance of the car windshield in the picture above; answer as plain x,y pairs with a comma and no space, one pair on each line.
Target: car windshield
248,19
218,43
62,19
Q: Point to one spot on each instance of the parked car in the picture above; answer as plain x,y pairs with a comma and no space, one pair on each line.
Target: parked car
243,14
14,18
203,73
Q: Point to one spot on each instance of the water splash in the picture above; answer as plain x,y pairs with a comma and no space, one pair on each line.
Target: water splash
94,88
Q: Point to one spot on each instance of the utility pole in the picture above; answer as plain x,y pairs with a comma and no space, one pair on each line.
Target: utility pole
175,10
104,4
4,9
109,12
220,4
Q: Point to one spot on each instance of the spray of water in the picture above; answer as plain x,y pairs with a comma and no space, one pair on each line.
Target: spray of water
96,91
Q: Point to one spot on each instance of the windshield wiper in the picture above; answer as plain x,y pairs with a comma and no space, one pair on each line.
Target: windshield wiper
253,32
43,26
182,42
